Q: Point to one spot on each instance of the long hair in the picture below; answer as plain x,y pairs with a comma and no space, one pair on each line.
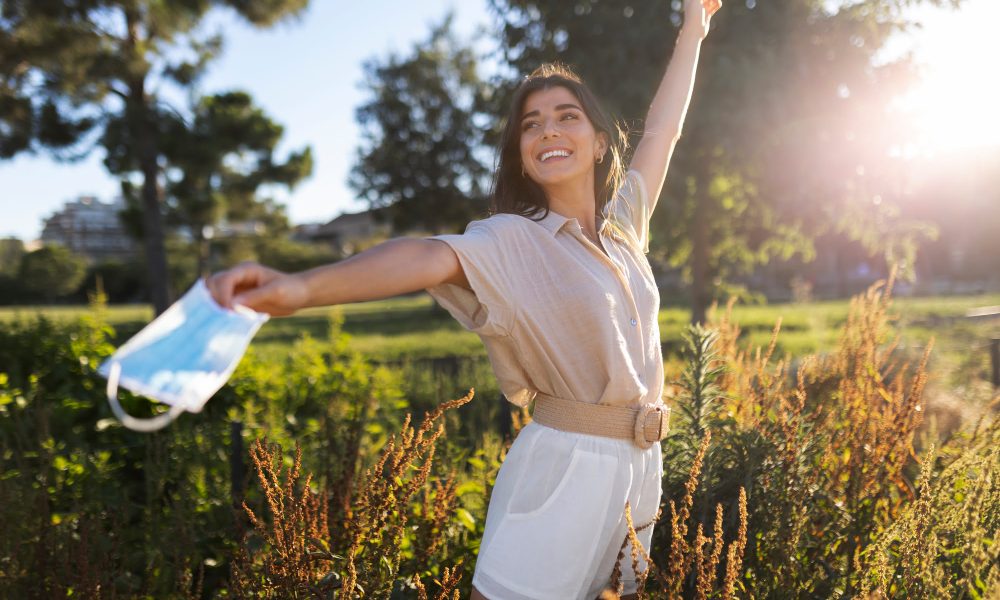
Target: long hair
512,192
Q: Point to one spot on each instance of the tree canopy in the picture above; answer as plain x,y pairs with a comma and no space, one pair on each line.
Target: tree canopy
422,135
52,271
68,70
783,119
216,165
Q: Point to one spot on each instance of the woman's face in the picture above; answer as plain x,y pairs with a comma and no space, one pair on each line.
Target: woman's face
558,141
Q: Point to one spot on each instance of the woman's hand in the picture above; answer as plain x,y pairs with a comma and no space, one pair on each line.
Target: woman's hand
259,288
698,13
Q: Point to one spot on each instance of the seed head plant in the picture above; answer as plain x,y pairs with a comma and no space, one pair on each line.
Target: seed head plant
300,558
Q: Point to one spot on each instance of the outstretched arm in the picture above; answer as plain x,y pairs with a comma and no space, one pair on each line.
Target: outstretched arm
391,268
670,104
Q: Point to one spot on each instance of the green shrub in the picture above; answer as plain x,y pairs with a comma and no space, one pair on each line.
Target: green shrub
805,489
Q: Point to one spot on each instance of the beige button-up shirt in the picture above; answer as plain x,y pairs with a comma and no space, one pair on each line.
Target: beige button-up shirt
557,315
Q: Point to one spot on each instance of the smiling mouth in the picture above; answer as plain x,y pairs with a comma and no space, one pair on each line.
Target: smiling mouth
555,153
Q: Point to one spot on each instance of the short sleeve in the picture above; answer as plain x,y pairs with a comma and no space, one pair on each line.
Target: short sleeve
486,310
629,210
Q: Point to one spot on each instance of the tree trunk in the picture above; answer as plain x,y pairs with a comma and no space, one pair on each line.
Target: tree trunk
699,251
152,220
145,145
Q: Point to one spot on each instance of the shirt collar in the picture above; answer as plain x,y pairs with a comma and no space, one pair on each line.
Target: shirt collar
553,222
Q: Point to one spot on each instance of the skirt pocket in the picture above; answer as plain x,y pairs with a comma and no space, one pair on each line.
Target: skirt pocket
555,527
542,483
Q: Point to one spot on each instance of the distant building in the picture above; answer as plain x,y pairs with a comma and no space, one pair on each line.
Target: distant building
223,230
346,233
90,228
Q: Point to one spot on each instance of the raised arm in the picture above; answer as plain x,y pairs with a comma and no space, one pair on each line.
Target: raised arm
670,104
391,268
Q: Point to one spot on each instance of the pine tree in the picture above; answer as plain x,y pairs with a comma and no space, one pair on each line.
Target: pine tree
69,69
422,132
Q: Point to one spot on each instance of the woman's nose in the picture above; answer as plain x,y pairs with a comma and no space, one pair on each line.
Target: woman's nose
549,128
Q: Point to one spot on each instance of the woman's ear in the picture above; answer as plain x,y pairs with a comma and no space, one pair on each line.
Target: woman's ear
601,145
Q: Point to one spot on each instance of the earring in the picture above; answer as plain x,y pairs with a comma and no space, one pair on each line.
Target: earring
600,159
523,174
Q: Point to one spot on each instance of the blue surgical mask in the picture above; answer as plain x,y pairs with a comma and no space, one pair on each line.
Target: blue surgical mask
182,357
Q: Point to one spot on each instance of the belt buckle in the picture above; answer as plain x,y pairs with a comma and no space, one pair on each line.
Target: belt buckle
642,416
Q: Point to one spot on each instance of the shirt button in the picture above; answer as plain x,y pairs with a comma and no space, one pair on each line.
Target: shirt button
633,321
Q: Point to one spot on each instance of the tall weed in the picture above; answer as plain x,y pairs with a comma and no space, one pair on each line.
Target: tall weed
784,477
396,529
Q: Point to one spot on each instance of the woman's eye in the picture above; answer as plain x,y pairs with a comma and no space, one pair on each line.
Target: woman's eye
569,116
528,125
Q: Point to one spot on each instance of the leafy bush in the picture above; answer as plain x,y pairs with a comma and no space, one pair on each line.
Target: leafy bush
52,271
784,477
823,446
91,504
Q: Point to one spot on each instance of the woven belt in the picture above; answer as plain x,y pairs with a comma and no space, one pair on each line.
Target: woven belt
644,426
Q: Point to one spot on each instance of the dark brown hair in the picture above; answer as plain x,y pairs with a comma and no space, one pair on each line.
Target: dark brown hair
515,193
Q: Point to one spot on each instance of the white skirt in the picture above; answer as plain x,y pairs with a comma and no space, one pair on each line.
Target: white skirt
556,518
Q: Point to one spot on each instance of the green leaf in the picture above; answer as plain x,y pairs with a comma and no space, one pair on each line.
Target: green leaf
470,487
466,519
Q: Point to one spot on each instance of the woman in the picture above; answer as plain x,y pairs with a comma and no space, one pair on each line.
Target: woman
557,285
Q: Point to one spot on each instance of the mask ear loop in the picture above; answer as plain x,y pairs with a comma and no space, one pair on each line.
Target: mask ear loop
141,425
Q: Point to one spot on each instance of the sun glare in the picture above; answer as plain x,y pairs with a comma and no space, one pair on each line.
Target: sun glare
956,106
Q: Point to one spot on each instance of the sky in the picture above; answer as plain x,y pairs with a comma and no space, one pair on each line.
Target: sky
306,75
955,106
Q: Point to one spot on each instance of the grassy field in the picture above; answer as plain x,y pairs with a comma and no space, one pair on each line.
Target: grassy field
412,327
439,359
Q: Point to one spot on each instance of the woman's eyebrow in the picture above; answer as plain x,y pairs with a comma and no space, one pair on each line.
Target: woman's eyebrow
535,113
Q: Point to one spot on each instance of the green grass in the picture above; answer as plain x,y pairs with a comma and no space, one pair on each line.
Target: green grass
408,331
411,327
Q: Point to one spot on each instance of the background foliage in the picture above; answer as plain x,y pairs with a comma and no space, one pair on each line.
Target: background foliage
809,486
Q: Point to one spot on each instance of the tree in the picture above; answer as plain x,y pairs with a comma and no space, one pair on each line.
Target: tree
787,111
52,271
121,281
11,251
68,69
216,165
418,157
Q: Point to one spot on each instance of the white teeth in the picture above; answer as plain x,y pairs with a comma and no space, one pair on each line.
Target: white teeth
547,155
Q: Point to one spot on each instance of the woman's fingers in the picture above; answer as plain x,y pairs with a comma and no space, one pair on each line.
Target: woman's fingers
216,287
711,6
259,299
275,299
246,276
221,285
699,12
280,296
